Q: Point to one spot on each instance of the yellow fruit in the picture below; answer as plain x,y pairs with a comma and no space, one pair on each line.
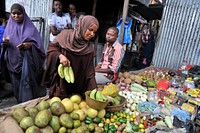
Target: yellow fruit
66,73
76,106
133,116
82,105
141,121
61,71
54,99
142,130
69,105
71,74
101,113
65,99
92,113
75,99
62,130
112,120
141,126
75,116
77,123
107,121
81,113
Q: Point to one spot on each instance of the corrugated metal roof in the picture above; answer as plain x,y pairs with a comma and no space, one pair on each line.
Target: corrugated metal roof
36,8
179,34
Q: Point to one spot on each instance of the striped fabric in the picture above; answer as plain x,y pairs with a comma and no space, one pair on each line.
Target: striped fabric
112,57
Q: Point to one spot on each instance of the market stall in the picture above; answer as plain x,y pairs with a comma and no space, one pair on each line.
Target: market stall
148,100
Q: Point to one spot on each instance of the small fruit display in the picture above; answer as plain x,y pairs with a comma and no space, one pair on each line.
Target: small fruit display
66,72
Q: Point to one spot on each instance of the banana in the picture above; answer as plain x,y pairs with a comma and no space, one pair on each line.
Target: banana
99,96
71,74
103,96
93,94
66,73
61,71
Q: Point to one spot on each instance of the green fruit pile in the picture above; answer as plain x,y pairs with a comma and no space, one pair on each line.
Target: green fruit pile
53,116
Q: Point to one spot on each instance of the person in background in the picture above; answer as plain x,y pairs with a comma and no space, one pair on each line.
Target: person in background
79,15
24,54
3,22
58,20
72,48
4,78
72,14
111,59
147,48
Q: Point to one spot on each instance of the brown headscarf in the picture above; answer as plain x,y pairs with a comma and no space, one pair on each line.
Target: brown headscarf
73,40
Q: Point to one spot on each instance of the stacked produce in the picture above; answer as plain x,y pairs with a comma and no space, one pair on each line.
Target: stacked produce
71,115
124,107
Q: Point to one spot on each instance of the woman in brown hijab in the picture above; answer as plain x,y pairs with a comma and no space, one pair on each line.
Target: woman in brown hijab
72,47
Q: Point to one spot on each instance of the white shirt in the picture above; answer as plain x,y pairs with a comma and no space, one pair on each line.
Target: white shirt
73,22
59,22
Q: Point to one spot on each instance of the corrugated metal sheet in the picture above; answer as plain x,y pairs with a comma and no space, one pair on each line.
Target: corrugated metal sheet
36,8
179,34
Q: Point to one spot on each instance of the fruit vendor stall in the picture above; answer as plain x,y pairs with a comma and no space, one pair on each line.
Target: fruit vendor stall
148,100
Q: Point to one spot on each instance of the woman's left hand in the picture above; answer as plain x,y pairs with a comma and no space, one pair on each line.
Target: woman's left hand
27,45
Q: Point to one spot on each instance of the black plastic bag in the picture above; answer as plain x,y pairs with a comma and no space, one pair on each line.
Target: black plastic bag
189,126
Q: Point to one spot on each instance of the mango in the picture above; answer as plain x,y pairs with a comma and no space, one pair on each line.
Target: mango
33,129
43,105
54,123
57,108
42,118
33,112
47,129
19,113
26,122
66,121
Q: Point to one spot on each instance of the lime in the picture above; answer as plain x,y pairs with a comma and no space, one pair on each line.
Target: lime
62,130
75,116
136,128
91,126
77,123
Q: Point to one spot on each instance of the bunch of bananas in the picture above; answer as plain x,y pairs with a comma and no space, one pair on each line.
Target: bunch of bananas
98,95
66,72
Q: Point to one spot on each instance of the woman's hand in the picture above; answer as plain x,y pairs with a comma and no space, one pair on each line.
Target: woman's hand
5,42
27,45
63,60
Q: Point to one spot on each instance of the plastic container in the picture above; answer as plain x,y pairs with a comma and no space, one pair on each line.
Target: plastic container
188,84
183,67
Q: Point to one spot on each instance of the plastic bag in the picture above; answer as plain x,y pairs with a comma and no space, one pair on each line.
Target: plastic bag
163,84
189,126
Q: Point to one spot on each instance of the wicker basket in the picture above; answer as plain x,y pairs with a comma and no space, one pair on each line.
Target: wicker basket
116,107
94,103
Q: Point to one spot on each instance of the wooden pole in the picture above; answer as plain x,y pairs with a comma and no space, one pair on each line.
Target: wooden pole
94,8
125,11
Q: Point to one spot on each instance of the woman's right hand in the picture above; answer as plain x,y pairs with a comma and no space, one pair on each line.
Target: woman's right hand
63,60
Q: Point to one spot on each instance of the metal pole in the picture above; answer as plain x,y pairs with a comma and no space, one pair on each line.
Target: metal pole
94,8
